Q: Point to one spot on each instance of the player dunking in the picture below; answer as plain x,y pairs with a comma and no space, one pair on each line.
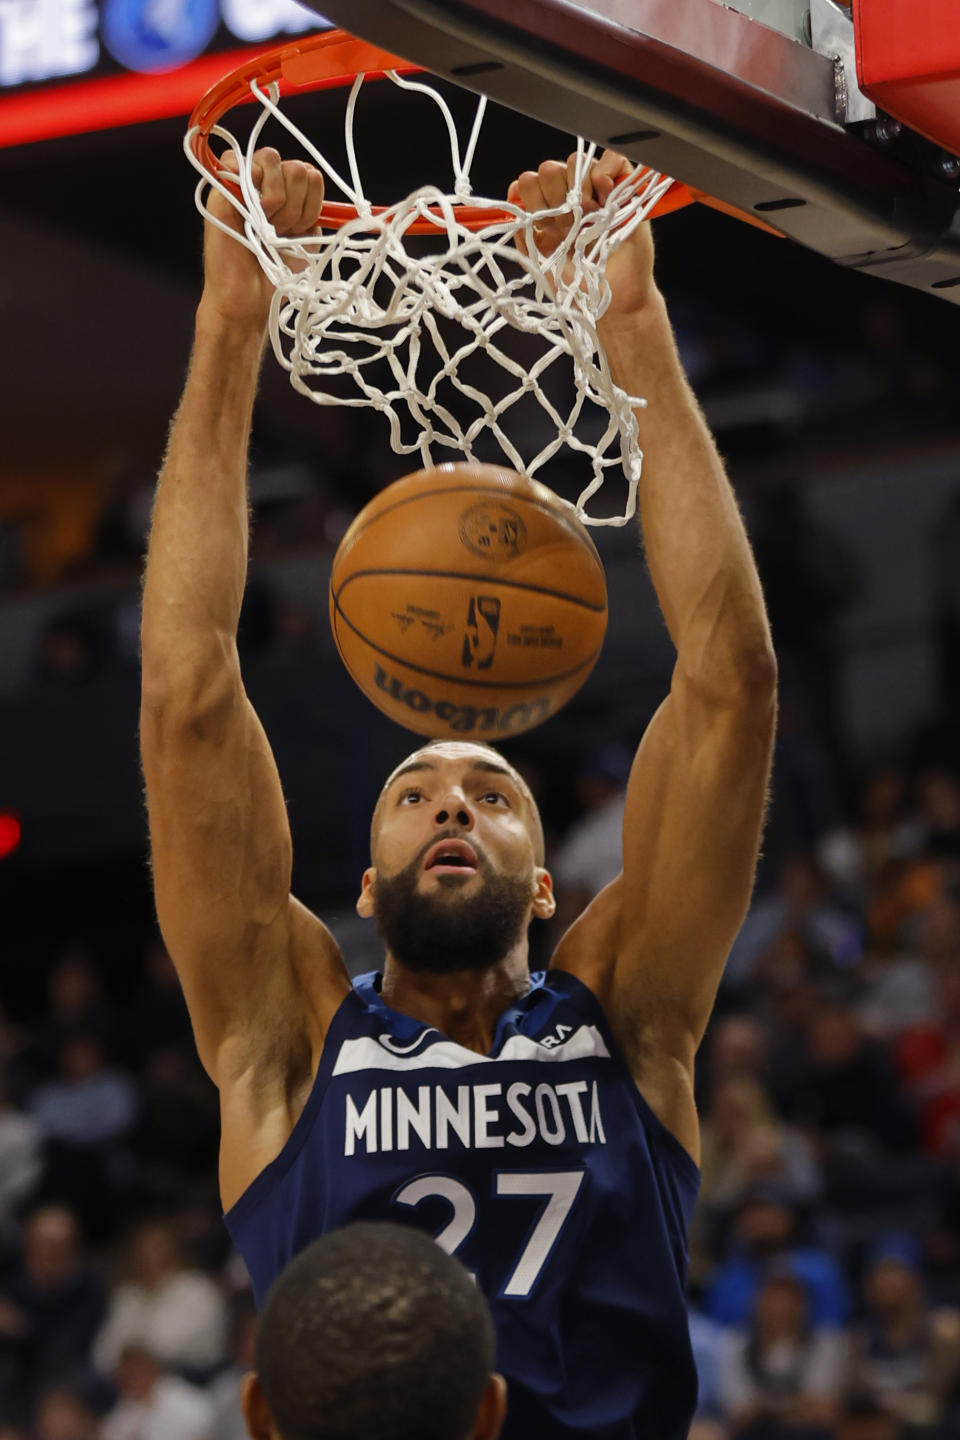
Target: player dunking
542,1128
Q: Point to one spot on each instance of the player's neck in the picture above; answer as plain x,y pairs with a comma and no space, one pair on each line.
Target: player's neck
464,1004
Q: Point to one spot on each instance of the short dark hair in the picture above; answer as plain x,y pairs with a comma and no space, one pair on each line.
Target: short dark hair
374,1331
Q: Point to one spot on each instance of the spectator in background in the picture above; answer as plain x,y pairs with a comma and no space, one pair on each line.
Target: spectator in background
87,1116
744,1142
782,1368
179,1134
854,855
51,1305
764,1240
157,1018
154,1405
225,1390
902,991
908,887
801,904
176,1313
90,1104
591,853
906,1356
21,1163
939,794
75,1002
848,1088
738,1049
904,890
707,1342
64,1414
861,1418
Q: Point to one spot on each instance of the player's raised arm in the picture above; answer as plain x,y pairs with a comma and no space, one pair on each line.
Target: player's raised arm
218,824
697,791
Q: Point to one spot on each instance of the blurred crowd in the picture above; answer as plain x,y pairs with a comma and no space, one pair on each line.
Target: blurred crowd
825,1254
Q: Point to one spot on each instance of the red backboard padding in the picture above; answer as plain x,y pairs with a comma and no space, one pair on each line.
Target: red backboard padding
908,62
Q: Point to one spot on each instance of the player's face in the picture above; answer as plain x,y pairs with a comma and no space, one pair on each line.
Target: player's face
456,812
456,848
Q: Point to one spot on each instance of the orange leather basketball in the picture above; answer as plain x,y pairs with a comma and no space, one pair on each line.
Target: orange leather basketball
468,600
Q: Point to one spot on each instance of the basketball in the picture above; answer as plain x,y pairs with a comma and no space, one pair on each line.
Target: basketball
468,600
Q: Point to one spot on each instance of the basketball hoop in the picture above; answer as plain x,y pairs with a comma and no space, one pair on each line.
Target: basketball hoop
352,302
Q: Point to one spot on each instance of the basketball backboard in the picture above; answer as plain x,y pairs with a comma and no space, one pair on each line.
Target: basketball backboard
755,102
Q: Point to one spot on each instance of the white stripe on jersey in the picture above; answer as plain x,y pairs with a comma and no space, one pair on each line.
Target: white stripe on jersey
369,1054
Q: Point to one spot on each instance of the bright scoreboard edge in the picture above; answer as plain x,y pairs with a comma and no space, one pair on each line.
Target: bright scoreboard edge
71,66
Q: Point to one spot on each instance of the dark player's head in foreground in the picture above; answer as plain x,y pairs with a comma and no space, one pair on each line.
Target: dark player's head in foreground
374,1332
457,851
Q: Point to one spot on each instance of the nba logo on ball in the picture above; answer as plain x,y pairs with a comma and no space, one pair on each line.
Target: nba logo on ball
149,35
480,637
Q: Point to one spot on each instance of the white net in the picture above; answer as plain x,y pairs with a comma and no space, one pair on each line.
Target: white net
370,315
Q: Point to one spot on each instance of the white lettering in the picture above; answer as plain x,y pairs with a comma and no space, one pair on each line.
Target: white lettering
544,1096
484,1116
416,1117
552,1041
596,1120
361,1124
456,1118
259,19
40,39
573,1091
529,1131
391,1117
386,1118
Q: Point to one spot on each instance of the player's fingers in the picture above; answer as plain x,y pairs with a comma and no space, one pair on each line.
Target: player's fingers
588,197
552,176
614,164
228,162
312,201
271,186
528,189
513,198
286,220
217,206
608,171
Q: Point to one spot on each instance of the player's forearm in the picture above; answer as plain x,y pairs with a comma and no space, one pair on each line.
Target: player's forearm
696,545
197,556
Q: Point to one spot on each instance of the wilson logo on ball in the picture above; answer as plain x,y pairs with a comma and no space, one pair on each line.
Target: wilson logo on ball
493,531
464,719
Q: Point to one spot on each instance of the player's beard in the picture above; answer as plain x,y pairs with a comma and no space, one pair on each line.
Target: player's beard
442,932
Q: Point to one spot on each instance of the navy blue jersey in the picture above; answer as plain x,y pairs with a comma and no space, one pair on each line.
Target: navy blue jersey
540,1166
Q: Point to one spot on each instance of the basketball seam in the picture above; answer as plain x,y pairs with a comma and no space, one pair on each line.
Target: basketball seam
489,684
483,580
506,497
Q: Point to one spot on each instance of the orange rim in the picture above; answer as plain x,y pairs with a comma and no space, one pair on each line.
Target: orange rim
330,61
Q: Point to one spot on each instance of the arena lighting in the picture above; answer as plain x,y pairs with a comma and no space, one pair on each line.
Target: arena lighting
10,832
69,67
114,100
